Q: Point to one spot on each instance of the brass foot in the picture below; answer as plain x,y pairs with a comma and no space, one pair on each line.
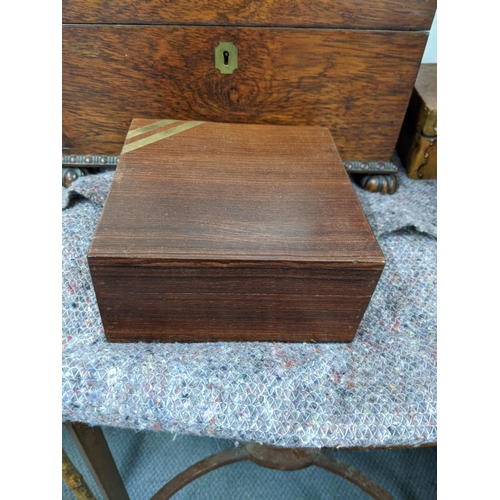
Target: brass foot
70,174
384,184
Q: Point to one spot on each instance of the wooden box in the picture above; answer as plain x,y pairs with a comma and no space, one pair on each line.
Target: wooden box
215,231
348,65
417,143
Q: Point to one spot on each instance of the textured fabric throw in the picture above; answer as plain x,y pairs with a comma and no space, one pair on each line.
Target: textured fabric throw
379,390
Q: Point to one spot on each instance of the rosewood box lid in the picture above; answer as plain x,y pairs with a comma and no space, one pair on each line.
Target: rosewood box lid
269,210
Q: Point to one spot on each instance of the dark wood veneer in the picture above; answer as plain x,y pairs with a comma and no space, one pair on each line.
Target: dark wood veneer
386,14
357,83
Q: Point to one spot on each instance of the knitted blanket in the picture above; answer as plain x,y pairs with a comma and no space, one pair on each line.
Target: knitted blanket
379,390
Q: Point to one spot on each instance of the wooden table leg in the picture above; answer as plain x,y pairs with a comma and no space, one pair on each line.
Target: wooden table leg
94,449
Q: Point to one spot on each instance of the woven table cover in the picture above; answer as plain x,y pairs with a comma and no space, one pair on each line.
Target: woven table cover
379,390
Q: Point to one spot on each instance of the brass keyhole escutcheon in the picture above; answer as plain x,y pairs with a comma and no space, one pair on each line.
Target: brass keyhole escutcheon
226,57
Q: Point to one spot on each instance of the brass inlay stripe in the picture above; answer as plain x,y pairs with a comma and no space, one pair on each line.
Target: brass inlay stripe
149,128
159,136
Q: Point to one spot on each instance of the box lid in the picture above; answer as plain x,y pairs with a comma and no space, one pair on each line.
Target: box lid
200,192
383,14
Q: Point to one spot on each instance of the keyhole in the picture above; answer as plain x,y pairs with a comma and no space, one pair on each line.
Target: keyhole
226,58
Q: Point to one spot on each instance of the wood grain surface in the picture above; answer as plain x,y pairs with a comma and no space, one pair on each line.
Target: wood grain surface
356,83
386,14
149,315
232,232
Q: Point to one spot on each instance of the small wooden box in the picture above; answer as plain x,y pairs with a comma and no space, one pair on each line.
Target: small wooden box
215,231
417,143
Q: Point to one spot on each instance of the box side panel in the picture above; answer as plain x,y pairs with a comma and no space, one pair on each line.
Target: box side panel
356,83
156,305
